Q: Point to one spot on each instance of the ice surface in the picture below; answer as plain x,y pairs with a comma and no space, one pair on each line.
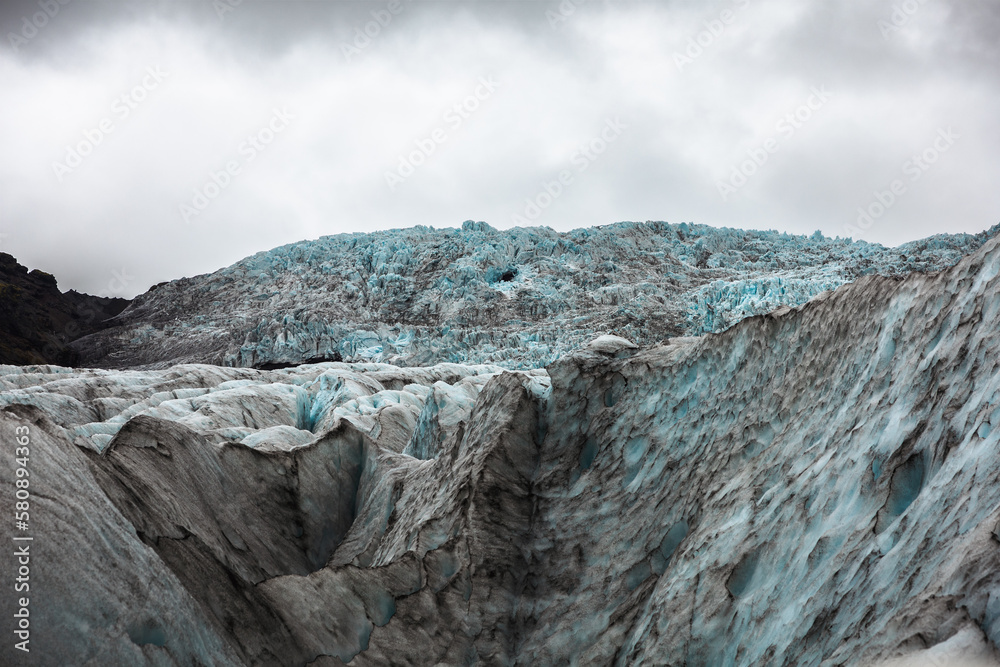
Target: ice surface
520,298
816,486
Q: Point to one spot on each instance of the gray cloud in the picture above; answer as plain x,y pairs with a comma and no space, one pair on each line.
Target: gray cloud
692,114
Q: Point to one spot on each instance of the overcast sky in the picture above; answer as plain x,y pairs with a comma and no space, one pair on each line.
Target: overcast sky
146,141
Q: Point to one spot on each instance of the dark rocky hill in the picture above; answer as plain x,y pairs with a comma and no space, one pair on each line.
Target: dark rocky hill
37,321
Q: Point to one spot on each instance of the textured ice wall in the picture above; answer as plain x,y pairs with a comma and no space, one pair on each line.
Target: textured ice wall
520,298
815,486
136,564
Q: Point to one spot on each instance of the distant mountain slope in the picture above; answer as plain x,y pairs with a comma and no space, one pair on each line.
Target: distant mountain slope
37,321
521,297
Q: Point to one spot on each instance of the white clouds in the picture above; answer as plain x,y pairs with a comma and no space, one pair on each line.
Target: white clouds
325,173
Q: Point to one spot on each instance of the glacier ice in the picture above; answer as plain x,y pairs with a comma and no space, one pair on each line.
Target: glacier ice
818,485
519,298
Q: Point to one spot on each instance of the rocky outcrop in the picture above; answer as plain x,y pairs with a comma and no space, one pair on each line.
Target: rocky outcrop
815,486
38,322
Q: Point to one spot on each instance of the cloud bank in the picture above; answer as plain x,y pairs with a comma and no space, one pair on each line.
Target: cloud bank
152,140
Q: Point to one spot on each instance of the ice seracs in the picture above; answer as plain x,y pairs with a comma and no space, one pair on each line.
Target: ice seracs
815,486
519,298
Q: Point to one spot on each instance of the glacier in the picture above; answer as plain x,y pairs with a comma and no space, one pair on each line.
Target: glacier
519,298
817,485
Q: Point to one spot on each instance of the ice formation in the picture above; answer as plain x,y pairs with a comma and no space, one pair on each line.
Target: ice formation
520,298
818,485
